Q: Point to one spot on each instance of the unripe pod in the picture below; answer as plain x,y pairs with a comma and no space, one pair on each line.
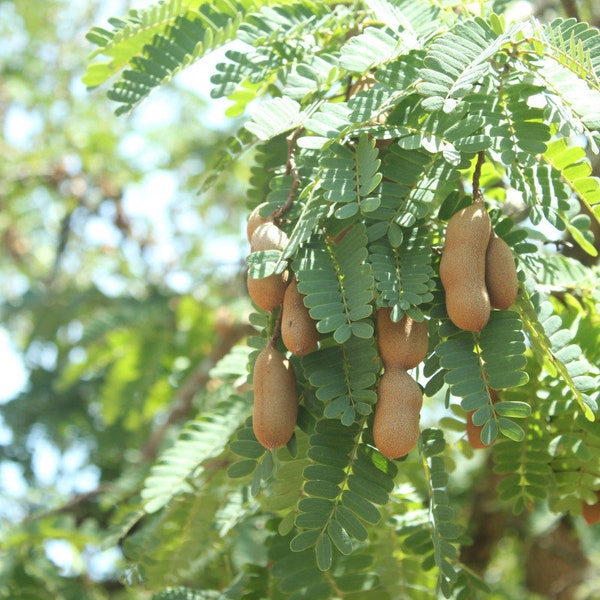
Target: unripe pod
275,398
591,512
268,237
298,329
401,344
268,292
397,413
254,220
474,431
501,278
462,268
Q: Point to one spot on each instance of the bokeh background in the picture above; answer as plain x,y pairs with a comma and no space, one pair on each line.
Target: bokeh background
121,279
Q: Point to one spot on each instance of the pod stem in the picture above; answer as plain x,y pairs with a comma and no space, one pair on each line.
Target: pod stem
477,194
277,329
290,169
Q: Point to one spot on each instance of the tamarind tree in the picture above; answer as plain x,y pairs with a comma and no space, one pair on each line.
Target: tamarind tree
370,124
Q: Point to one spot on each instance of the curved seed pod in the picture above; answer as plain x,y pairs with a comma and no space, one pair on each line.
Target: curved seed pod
591,512
397,413
268,292
254,220
268,237
401,344
298,329
462,268
474,431
275,398
501,278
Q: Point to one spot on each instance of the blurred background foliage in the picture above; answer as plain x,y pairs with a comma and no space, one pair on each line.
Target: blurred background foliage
120,288
119,285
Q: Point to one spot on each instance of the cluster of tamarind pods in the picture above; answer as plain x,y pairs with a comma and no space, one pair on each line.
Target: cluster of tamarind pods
478,273
275,392
477,269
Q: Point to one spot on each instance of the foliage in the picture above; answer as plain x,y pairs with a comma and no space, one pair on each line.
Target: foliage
370,124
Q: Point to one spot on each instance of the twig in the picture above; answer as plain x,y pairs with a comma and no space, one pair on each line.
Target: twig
290,169
277,329
477,195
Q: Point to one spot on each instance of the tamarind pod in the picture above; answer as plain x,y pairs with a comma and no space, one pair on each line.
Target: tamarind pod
462,267
591,512
501,278
397,413
474,431
268,237
403,343
268,292
275,398
298,329
254,220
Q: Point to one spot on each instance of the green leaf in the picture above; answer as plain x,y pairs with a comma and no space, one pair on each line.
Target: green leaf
339,536
159,42
510,429
241,468
273,117
324,553
360,506
304,540
515,409
457,60
199,441
369,49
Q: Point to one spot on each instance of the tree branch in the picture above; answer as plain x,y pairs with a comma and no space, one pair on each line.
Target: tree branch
197,380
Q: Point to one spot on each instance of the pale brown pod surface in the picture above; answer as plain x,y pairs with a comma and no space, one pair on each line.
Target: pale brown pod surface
298,329
254,220
462,268
268,237
397,413
403,343
275,398
501,278
268,292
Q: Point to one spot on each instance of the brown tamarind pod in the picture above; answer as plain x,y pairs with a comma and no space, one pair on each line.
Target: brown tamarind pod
275,398
255,219
462,267
298,329
268,237
403,343
591,512
268,292
474,431
397,413
501,278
